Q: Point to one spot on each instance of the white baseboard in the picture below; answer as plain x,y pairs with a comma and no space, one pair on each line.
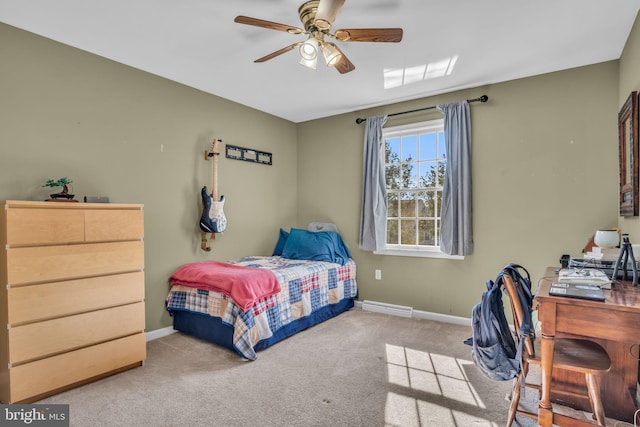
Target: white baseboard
418,314
383,307
159,333
447,318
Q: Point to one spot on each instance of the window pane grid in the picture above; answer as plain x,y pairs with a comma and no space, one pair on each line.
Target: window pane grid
415,162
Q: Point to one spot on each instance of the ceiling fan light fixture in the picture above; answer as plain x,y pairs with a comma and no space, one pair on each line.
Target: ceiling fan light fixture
309,63
331,54
309,49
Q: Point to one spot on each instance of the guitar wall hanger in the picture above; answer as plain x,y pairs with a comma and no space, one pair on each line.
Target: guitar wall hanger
209,153
212,219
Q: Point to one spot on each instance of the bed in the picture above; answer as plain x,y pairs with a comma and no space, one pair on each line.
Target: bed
253,302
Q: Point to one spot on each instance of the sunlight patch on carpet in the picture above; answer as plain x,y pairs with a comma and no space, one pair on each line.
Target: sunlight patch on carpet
432,375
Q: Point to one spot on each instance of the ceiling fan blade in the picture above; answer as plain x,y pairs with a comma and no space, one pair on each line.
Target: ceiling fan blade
327,12
343,65
391,35
268,24
278,52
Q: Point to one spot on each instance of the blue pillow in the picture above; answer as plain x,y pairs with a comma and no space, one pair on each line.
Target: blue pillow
317,246
282,239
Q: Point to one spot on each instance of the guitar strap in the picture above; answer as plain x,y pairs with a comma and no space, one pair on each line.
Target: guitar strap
204,245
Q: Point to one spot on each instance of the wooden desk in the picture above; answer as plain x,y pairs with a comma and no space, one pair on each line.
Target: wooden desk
614,324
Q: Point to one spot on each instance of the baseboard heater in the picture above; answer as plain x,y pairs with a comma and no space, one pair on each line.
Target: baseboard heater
380,307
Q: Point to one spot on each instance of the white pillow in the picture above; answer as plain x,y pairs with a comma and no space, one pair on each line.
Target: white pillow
322,226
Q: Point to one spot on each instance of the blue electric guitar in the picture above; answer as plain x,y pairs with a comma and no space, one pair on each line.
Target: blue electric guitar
212,219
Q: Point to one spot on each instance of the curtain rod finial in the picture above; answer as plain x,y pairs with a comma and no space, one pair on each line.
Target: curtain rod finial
484,98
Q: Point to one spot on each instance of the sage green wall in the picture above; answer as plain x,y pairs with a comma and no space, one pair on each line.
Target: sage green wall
629,82
545,166
64,112
544,178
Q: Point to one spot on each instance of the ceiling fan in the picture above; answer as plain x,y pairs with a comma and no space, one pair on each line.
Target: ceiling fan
317,16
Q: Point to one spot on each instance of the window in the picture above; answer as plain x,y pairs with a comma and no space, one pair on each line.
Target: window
415,162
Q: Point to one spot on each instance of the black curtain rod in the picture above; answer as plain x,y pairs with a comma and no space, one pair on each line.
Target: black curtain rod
483,98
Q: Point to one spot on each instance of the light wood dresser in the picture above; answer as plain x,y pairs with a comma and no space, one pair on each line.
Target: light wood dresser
71,295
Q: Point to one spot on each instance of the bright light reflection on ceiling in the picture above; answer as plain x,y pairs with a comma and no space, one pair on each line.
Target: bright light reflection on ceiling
395,77
434,374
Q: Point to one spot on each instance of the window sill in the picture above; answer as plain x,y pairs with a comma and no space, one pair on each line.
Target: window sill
417,252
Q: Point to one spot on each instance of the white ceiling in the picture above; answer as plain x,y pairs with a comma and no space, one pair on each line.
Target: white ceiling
196,43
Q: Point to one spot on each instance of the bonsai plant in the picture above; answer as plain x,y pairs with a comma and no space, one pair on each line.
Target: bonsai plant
62,182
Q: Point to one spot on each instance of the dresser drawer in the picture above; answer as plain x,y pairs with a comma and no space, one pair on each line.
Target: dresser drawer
42,376
37,340
28,226
55,299
112,225
51,263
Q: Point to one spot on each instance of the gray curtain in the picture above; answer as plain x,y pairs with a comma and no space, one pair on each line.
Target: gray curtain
373,221
456,233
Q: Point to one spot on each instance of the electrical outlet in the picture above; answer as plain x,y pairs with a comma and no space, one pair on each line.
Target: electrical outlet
378,274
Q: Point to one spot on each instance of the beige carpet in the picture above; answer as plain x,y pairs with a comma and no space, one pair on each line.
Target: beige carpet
359,369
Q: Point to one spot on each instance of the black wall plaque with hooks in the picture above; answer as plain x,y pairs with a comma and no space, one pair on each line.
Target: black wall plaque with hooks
248,155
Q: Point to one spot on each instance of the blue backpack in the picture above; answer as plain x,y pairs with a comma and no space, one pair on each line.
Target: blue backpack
493,347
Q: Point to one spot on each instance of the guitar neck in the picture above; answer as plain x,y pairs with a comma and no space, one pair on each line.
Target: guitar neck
214,187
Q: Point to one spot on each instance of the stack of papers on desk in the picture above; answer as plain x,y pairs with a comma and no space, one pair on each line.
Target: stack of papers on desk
585,276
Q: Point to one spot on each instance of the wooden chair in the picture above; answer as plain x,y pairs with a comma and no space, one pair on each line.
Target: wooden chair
576,355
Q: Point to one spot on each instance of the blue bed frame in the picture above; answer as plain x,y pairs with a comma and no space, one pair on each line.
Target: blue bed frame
213,329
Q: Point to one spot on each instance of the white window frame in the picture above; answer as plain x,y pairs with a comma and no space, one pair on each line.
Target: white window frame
436,125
